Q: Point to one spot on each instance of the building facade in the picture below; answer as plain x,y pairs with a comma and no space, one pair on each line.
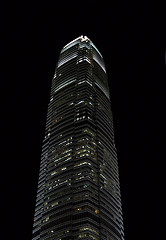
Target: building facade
78,194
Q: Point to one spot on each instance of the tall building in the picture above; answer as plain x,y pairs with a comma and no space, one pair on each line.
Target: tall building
78,194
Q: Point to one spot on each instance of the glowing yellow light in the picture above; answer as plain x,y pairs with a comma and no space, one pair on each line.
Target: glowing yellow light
96,211
78,209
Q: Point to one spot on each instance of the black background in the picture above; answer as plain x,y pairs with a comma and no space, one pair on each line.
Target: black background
131,38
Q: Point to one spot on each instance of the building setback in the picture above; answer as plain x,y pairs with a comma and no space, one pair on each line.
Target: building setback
78,194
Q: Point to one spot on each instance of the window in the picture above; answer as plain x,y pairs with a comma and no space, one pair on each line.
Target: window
54,204
89,131
89,229
80,102
80,118
96,211
85,58
46,219
78,209
86,82
83,163
62,169
53,173
67,58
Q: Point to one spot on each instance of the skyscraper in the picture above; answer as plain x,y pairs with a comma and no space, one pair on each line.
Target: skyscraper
78,194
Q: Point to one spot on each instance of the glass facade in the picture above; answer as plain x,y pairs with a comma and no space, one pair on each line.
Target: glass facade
78,194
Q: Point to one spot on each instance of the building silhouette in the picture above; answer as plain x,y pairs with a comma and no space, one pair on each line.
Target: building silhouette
78,194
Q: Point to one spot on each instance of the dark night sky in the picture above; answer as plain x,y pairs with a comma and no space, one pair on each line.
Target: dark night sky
131,38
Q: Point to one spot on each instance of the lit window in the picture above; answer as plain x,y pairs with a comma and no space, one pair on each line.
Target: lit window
89,229
78,209
67,58
82,235
54,204
80,102
63,85
89,131
83,163
71,103
84,59
93,237
46,220
53,173
103,176
82,155
63,168
96,211
80,60
86,82
80,118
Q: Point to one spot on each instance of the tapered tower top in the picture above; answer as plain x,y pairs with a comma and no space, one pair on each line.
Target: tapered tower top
80,39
